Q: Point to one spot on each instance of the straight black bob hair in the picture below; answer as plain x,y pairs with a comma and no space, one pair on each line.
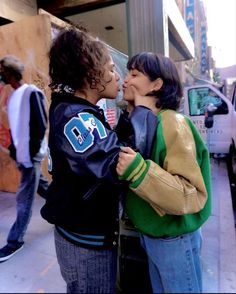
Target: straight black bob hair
156,66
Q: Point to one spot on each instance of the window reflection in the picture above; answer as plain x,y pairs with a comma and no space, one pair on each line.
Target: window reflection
200,98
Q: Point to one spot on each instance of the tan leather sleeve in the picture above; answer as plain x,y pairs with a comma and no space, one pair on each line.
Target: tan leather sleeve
178,188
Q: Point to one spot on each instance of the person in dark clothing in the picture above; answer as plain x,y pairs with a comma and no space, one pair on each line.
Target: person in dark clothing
83,197
28,122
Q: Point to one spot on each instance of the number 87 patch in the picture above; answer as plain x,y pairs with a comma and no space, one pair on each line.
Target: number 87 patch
82,131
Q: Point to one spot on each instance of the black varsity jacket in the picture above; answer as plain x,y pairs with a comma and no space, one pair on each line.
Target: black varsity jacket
83,197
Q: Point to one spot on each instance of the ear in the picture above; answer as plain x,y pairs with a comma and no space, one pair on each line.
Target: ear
157,84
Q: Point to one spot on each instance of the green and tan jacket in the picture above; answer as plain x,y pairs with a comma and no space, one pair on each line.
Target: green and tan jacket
171,193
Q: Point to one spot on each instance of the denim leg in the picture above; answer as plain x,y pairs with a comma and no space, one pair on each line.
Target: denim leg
86,270
174,263
24,202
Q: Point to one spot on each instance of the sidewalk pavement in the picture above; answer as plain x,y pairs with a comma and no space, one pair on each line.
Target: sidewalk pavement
219,247
35,270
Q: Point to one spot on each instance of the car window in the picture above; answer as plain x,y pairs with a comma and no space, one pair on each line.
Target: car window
200,98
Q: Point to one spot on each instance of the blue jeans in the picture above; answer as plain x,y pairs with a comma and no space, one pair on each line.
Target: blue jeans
86,270
174,263
24,203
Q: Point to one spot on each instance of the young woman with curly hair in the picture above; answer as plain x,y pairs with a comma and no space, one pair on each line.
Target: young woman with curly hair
83,197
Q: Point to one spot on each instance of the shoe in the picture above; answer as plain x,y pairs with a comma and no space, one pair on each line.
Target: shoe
7,252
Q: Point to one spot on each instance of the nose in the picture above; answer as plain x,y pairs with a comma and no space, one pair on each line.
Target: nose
126,79
117,76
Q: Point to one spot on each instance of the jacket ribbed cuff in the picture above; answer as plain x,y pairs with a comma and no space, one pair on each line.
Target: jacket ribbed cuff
135,170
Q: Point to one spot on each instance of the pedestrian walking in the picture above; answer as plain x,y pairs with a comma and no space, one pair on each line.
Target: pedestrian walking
27,118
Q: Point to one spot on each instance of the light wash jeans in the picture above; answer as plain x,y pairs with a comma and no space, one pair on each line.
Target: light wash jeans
86,270
174,263
24,202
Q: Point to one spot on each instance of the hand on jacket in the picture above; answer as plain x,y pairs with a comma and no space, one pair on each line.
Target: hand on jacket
126,156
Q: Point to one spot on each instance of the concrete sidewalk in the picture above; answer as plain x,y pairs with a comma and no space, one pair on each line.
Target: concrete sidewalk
219,243
35,268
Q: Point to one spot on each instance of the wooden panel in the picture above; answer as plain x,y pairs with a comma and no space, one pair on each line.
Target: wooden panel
29,40
55,21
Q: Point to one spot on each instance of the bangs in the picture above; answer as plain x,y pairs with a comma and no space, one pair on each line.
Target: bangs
146,63
137,62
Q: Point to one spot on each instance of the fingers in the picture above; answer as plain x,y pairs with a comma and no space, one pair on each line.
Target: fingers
122,166
119,170
127,150
126,156
138,99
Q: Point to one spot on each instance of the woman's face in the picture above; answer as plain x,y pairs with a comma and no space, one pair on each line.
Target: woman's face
110,81
138,80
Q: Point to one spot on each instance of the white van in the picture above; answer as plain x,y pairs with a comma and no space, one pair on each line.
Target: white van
220,134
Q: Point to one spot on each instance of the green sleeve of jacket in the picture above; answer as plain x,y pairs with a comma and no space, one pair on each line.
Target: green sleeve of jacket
136,171
177,187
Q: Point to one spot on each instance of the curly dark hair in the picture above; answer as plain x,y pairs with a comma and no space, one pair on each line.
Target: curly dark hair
158,66
76,59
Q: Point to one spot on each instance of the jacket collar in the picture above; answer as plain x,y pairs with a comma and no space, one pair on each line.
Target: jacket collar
71,99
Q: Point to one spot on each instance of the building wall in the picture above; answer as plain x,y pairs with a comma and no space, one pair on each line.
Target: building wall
196,21
181,5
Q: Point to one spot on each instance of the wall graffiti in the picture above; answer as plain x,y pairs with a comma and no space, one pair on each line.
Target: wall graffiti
36,75
39,82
